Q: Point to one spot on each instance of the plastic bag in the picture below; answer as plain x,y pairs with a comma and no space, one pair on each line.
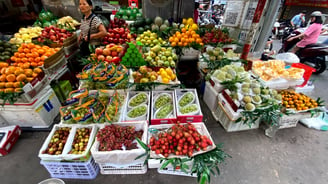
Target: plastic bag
319,123
288,57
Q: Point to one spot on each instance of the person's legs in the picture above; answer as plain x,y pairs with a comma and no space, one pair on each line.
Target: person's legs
295,49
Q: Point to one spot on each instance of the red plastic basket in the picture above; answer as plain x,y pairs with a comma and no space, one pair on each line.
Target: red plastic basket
307,74
12,137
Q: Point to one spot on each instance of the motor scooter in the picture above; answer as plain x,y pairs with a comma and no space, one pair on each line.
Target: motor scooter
314,55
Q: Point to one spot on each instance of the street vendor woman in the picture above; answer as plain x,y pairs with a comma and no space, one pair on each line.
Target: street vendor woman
92,28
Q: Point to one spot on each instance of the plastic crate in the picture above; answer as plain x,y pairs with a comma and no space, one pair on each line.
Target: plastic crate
10,137
307,74
133,169
38,114
72,170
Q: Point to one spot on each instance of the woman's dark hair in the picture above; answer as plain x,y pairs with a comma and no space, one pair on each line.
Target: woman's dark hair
89,2
318,20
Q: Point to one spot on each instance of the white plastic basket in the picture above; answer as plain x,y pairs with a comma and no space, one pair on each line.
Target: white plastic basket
72,170
132,169
121,158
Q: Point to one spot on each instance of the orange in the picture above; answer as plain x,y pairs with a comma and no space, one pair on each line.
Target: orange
19,71
10,70
18,90
29,79
2,84
183,30
37,46
3,64
28,55
176,40
35,54
191,40
28,72
45,47
24,60
3,70
33,64
180,44
9,84
171,39
41,51
20,50
43,58
37,70
173,44
198,40
21,77
11,78
185,44
37,59
57,49
35,75
30,59
40,63
30,45
22,55
18,84
27,50
18,60
13,58
9,90
16,54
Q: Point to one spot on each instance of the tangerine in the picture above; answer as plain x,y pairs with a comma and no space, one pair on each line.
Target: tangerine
9,84
28,72
19,71
11,78
21,77
9,90
18,90
18,84
37,70
2,84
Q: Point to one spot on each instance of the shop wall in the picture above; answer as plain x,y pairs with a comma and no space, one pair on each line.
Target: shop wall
290,11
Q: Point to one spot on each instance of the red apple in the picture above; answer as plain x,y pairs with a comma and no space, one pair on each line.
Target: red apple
114,53
99,51
101,57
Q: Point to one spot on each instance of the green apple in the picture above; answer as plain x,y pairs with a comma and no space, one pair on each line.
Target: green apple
166,63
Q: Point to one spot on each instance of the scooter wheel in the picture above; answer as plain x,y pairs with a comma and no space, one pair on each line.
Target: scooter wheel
320,67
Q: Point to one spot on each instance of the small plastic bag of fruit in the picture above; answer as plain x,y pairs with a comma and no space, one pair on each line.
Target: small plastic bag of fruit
179,140
80,93
86,72
55,147
120,82
116,144
80,142
98,113
65,111
114,108
82,115
90,99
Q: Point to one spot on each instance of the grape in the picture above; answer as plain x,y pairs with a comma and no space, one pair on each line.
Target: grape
162,100
164,111
137,111
189,108
186,99
138,99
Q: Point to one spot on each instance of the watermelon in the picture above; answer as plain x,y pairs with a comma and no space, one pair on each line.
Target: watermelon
140,30
125,17
148,21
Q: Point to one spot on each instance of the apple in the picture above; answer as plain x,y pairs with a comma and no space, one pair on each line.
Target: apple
99,51
109,58
101,57
106,52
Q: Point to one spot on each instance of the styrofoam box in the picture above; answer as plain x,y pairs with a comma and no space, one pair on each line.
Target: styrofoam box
210,96
200,127
188,118
121,158
227,117
39,113
127,109
171,119
170,170
291,120
281,83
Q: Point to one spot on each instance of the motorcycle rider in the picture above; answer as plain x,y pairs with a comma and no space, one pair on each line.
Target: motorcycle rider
298,20
311,34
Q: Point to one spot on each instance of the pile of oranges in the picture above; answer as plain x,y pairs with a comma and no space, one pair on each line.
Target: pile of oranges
13,78
297,101
32,54
185,38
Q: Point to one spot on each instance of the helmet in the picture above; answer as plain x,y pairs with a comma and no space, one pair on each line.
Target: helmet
316,14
